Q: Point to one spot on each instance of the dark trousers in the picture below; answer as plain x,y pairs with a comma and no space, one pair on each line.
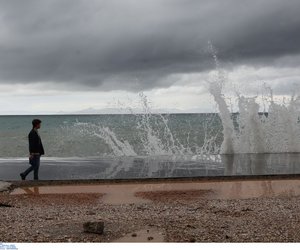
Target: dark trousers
35,164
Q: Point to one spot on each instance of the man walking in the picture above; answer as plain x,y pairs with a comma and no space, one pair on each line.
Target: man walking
35,149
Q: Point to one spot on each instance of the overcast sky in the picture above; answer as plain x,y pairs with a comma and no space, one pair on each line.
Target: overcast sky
68,55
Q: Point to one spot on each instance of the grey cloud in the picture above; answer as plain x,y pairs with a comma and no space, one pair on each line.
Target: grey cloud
133,44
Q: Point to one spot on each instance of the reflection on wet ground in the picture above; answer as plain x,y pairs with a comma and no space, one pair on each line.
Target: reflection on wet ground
125,193
156,167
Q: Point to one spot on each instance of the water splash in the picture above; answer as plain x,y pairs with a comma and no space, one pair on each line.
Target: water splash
156,136
275,131
215,88
118,147
151,135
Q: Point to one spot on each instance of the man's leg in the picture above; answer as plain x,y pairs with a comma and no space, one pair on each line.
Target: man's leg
36,166
28,170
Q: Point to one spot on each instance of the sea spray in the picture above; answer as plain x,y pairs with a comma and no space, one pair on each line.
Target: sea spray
274,131
118,147
154,135
215,88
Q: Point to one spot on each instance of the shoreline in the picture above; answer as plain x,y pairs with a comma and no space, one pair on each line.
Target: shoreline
154,210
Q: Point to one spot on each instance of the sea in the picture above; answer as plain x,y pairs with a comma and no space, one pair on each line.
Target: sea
137,146
260,137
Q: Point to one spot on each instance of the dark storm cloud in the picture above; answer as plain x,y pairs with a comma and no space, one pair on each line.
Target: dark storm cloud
132,44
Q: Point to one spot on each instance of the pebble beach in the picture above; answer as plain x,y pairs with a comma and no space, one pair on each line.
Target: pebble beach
190,215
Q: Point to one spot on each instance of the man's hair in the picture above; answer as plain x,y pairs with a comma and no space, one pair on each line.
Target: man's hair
36,122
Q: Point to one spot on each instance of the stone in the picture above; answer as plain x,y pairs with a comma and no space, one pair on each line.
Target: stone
4,205
91,213
49,218
94,227
4,186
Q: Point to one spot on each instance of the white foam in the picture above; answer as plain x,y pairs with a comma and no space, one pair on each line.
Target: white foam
276,132
154,137
119,148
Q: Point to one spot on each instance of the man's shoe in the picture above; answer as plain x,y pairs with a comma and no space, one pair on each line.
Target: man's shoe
22,176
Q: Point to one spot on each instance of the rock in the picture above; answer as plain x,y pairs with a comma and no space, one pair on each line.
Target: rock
94,227
49,218
4,186
134,235
150,238
91,213
4,205
246,209
190,226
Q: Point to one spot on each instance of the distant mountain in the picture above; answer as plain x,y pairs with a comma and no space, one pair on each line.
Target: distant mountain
93,111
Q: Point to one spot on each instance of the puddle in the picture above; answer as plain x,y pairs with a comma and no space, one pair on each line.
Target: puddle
125,193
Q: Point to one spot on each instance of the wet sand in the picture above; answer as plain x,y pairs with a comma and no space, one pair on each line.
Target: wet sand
128,193
262,210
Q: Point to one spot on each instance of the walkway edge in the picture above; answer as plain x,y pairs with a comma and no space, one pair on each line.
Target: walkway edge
30,183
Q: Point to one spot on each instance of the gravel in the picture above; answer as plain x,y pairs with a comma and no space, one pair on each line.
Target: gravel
183,217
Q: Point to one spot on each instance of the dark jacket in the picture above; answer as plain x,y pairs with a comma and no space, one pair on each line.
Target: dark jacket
35,143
